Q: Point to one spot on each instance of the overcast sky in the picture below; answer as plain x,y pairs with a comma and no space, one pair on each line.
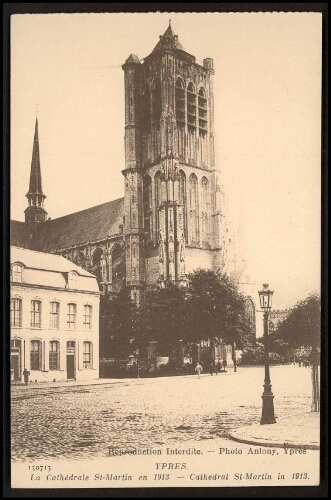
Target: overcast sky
267,121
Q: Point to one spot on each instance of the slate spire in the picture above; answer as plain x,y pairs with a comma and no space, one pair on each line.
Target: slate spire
35,212
35,186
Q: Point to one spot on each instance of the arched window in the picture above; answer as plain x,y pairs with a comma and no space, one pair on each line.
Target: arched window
193,210
96,263
87,318
54,355
180,102
35,355
118,269
145,110
250,310
191,107
191,113
202,104
250,318
54,314
16,313
180,116
35,314
16,273
204,210
183,199
87,355
148,210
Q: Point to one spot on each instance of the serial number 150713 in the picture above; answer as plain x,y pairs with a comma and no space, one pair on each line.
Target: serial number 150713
39,468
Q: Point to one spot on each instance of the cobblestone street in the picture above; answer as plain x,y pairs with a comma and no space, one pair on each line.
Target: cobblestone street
79,422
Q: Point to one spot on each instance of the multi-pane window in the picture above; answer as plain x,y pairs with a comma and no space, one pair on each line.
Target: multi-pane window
202,106
35,355
54,355
191,111
87,355
54,315
71,316
87,319
16,313
16,273
35,314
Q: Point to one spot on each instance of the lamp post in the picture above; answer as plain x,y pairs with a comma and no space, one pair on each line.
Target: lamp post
268,415
234,357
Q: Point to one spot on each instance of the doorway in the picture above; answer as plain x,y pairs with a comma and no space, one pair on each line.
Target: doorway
15,365
15,360
70,360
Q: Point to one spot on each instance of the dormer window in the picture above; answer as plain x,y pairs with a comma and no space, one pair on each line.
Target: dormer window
72,280
16,273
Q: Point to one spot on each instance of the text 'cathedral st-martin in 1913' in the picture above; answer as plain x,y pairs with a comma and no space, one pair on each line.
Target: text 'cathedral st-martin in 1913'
172,218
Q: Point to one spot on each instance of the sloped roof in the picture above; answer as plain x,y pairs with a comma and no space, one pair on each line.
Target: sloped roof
45,261
132,59
20,234
92,224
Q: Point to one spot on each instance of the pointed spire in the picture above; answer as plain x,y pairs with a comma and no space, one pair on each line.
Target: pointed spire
169,30
35,212
169,40
35,186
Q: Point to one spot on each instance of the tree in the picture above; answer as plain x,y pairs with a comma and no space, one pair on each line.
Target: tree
216,310
119,325
254,355
164,317
302,329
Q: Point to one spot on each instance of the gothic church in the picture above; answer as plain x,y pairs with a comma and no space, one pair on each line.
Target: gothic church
172,217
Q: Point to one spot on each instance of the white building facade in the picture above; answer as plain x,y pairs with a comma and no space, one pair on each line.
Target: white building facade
54,315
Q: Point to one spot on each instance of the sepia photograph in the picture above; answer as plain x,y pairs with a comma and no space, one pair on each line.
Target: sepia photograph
165,249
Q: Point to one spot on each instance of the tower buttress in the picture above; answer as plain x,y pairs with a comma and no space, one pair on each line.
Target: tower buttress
35,212
133,199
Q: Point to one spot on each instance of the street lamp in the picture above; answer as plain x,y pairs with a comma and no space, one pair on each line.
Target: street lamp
268,415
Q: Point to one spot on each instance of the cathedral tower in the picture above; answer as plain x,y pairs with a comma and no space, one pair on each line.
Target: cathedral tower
173,199
35,212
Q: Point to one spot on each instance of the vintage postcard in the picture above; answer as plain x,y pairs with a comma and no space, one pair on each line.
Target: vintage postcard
165,249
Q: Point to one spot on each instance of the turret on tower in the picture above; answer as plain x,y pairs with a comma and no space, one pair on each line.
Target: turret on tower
35,212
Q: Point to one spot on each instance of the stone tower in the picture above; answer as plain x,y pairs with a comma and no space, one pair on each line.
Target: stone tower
35,212
173,197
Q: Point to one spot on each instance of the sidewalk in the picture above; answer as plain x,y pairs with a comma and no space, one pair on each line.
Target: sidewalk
301,430
69,383
100,381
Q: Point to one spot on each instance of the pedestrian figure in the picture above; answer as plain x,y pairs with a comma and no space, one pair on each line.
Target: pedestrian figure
225,364
216,368
220,365
198,369
212,368
26,374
